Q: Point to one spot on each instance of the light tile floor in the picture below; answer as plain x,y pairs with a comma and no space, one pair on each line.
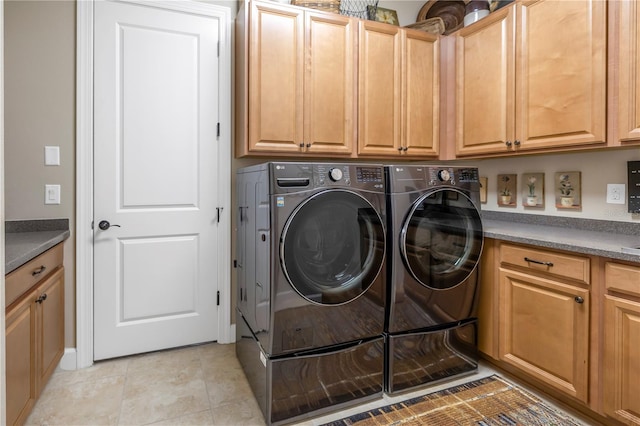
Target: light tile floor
195,385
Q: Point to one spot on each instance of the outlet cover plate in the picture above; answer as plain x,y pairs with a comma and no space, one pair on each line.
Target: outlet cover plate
615,193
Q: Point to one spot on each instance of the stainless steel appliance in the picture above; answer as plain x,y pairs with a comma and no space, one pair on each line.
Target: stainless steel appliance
434,246
311,285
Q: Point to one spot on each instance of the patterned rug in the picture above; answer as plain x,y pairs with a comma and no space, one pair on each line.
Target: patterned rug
488,401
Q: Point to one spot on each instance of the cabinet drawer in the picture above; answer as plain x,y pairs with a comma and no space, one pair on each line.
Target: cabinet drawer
26,276
622,278
553,263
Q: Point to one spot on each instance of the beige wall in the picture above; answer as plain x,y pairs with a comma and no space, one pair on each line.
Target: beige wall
597,170
40,111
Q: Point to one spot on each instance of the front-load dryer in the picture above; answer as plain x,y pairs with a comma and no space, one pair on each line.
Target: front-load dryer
435,241
311,284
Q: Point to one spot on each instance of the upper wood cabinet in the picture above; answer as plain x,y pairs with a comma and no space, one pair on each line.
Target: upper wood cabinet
399,92
624,66
296,90
532,77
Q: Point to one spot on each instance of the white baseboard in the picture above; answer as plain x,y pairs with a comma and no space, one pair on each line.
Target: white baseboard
230,337
69,360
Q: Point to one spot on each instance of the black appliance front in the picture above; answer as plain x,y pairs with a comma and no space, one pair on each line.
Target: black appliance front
415,359
330,238
310,383
439,240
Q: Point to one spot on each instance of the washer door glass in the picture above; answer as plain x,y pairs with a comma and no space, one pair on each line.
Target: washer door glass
441,239
332,247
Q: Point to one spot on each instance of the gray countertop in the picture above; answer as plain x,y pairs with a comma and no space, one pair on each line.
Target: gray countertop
591,237
26,239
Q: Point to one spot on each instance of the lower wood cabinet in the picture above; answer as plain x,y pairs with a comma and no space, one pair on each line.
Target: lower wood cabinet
622,343
566,323
34,342
544,330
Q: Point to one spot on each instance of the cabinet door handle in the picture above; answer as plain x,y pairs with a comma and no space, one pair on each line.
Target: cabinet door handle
508,143
526,259
516,142
405,149
579,300
42,298
39,270
400,149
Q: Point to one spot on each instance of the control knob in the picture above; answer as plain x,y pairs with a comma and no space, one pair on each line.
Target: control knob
335,174
444,175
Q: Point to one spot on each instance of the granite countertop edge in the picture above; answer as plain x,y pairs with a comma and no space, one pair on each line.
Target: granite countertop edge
585,237
27,239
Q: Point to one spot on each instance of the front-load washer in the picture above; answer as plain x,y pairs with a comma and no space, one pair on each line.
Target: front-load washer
434,247
311,285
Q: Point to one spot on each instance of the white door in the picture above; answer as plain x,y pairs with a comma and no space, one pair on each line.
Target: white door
155,178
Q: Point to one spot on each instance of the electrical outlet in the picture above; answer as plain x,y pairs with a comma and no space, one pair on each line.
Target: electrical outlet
615,193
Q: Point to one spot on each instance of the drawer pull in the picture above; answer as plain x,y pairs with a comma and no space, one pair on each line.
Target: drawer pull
39,270
42,298
526,259
579,300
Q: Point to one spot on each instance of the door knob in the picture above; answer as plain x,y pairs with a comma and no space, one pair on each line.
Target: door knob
104,225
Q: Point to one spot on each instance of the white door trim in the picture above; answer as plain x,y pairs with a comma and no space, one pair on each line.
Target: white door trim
84,169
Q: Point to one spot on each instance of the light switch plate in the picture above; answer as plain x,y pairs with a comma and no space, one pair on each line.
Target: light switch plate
51,155
52,194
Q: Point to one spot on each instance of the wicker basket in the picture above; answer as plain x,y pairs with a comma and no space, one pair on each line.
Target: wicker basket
325,5
432,25
363,9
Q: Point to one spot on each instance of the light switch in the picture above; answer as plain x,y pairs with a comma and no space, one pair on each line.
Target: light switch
52,194
51,155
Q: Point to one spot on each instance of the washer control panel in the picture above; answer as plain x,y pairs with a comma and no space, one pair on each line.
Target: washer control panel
349,175
332,174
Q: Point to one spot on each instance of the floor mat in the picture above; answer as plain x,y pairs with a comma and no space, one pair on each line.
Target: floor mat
488,401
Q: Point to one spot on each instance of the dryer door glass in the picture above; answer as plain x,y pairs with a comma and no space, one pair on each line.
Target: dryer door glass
442,239
332,247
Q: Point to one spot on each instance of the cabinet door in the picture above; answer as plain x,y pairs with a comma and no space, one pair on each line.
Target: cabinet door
329,84
629,69
276,48
379,89
485,85
560,74
50,326
421,94
21,360
622,359
544,330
